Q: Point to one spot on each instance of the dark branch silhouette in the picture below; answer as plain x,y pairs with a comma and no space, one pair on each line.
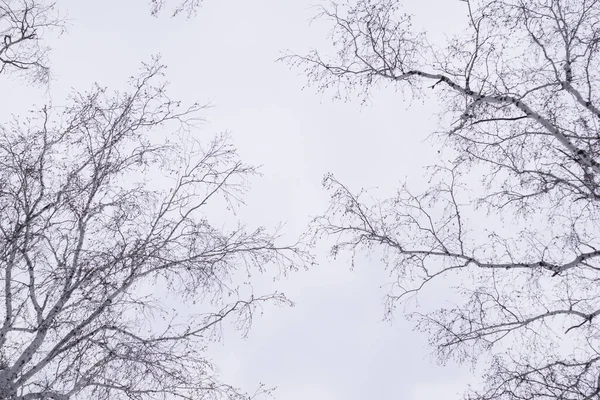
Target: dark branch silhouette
23,27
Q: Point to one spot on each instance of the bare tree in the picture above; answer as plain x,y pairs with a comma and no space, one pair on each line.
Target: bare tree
521,85
94,244
23,25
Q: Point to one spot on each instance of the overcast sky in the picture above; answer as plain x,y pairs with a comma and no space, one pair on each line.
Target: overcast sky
333,344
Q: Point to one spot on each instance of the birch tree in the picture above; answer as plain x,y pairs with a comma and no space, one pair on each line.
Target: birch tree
105,237
520,93
103,229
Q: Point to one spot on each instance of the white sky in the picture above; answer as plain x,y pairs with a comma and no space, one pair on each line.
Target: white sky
333,344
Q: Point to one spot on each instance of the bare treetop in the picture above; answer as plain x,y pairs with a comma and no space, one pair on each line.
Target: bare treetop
520,89
91,244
